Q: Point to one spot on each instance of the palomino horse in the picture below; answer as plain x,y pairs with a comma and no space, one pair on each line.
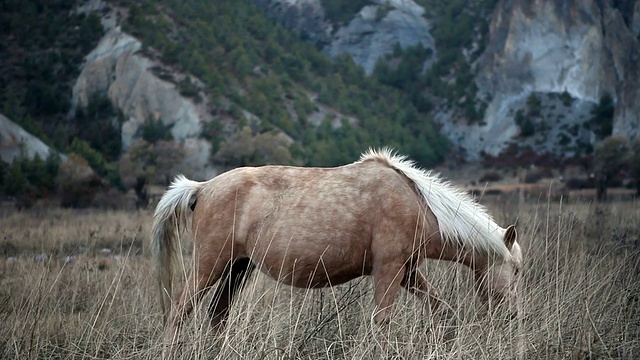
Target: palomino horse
319,227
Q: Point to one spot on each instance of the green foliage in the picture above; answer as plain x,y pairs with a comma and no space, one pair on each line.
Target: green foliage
52,166
524,122
566,99
245,50
77,186
44,98
406,72
610,155
382,11
4,168
15,182
212,131
634,162
341,11
602,116
534,105
100,126
450,77
32,127
11,107
47,42
151,163
96,160
36,173
454,24
27,178
188,89
248,149
304,107
154,130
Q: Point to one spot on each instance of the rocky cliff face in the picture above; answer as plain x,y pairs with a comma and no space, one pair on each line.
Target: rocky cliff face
376,30
303,16
13,137
370,35
543,47
143,88
116,68
584,48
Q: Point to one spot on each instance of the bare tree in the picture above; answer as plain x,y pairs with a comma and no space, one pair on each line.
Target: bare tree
634,162
147,163
238,149
168,158
78,184
610,157
244,148
271,148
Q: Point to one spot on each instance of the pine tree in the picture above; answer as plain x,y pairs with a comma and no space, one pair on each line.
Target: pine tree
15,182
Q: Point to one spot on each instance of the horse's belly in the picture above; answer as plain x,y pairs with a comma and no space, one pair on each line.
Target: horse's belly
313,265
307,276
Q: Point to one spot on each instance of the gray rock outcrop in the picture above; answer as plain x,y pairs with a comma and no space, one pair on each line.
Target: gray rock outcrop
544,47
116,68
303,16
13,137
376,30
370,35
552,46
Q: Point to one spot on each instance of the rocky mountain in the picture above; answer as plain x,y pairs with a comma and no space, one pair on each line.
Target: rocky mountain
372,33
545,49
582,48
142,87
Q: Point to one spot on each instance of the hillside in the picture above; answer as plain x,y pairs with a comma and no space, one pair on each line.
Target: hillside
140,90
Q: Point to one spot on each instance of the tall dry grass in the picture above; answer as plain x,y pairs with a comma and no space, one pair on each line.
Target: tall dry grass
580,297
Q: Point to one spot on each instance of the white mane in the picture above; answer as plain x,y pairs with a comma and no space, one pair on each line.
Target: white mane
459,217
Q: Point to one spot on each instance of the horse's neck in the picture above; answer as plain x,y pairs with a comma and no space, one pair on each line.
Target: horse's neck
453,251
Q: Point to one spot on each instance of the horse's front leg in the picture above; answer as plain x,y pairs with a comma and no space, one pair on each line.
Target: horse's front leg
388,280
418,285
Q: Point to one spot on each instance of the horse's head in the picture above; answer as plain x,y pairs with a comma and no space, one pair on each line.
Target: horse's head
498,280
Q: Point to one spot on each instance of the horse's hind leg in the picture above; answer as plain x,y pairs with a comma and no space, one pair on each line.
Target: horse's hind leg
207,270
387,279
234,278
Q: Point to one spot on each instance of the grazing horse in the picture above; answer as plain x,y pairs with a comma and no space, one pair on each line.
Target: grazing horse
317,227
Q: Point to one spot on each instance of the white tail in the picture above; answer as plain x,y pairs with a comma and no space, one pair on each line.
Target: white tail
170,219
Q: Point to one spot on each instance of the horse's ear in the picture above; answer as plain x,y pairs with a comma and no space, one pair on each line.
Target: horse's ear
510,236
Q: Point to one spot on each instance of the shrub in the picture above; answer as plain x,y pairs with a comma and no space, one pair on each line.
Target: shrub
534,176
534,106
154,130
601,120
490,177
566,98
78,184
579,183
524,122
610,157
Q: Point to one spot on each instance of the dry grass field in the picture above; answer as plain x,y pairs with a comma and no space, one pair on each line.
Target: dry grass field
80,284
